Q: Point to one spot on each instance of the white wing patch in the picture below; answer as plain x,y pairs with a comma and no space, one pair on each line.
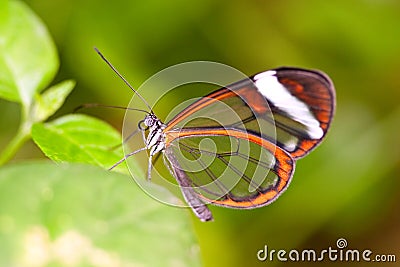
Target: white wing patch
269,86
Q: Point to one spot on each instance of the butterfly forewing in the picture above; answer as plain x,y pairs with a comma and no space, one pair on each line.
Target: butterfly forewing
288,106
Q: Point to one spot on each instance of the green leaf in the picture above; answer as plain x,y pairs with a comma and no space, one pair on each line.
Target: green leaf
77,215
51,100
78,138
28,57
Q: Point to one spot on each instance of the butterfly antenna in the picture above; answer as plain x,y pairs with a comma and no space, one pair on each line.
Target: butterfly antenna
122,77
95,105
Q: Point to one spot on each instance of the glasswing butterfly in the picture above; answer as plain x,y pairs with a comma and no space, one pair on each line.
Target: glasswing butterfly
237,146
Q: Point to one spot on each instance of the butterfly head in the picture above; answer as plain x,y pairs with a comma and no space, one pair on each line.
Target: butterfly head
151,120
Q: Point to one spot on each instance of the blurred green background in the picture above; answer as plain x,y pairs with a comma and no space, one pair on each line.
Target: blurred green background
347,188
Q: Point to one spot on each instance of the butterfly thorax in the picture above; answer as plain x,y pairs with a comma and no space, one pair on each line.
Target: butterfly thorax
156,138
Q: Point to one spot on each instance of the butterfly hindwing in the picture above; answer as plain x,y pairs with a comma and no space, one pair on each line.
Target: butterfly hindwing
230,168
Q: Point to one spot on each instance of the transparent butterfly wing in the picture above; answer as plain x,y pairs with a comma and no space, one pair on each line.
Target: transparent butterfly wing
229,167
291,107
303,104
237,146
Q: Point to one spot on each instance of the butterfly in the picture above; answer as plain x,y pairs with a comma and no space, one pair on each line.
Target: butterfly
237,146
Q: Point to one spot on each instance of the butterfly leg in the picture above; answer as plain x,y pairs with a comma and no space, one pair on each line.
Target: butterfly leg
126,156
149,167
143,136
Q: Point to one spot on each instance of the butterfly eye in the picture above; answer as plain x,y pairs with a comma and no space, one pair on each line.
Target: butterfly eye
142,125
